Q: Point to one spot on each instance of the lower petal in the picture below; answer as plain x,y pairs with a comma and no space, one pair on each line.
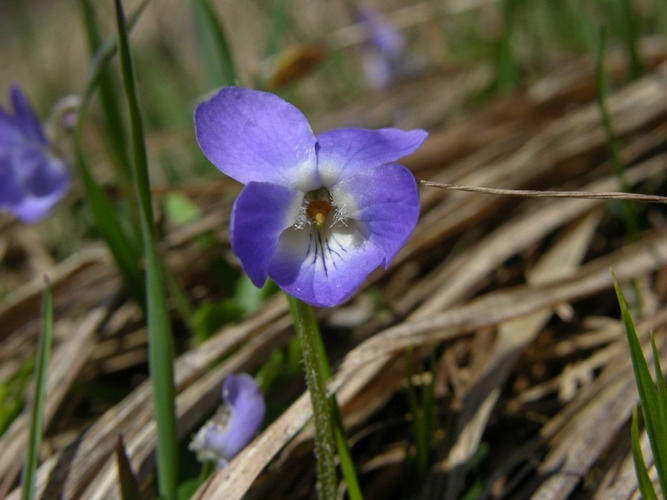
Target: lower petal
260,213
323,268
385,203
11,190
31,183
41,174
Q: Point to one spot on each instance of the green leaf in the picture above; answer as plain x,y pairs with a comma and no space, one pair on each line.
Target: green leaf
160,347
210,317
37,413
180,210
249,297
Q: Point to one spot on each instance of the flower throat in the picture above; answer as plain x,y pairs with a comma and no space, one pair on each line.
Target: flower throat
317,211
316,208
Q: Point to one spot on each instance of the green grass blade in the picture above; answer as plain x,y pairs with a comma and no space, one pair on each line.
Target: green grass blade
12,393
613,147
125,250
507,71
655,426
280,25
113,121
110,111
159,328
37,413
428,405
645,484
628,28
218,56
344,453
661,418
419,425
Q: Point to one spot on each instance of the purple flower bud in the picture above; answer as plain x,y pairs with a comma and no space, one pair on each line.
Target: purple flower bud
317,214
234,424
32,180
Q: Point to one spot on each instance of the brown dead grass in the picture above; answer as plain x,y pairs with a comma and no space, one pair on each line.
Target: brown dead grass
512,295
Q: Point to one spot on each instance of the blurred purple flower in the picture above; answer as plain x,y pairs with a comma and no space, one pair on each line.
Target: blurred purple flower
317,214
383,60
32,180
234,424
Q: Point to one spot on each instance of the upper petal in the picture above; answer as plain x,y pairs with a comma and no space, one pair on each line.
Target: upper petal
25,117
345,152
256,136
385,203
260,213
323,268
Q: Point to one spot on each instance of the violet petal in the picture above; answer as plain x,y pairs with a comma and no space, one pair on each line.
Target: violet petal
256,136
345,152
323,268
260,213
385,201
245,406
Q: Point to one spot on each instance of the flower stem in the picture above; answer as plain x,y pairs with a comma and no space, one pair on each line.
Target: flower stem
308,333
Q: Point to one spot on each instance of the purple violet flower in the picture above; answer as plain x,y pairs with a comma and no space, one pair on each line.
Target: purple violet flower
317,214
234,424
32,180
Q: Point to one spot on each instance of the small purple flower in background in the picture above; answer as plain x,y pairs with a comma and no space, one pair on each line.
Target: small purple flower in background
234,424
32,180
317,214
383,60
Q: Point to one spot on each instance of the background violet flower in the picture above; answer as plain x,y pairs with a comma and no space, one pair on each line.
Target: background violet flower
32,180
235,423
317,214
383,60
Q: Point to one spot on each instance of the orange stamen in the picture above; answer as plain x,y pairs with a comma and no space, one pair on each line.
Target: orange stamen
317,210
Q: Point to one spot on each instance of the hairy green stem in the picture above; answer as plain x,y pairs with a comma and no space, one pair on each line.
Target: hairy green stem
308,333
